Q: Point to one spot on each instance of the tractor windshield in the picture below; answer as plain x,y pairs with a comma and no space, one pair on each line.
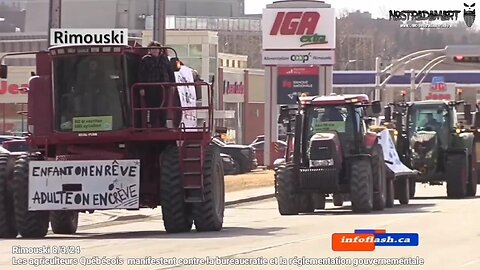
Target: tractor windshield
340,119
433,117
88,91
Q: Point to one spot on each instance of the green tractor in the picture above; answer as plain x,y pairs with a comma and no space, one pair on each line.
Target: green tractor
432,140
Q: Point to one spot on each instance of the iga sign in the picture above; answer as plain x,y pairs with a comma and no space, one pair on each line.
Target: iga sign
292,82
84,185
301,58
296,28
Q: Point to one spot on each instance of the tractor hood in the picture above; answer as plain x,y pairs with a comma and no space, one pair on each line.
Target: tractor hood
423,145
324,150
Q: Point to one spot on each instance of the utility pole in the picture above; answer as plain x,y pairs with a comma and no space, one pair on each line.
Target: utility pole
159,18
54,16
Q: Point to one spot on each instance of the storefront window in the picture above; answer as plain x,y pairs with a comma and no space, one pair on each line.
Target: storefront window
196,50
195,63
11,121
182,50
213,50
213,65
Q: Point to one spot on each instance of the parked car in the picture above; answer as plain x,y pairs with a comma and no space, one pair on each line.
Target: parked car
261,138
277,153
243,155
230,167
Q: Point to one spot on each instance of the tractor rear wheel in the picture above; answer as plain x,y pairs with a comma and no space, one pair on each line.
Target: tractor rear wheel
7,218
176,212
337,199
64,222
30,224
402,189
208,215
361,186
379,178
473,175
390,199
457,175
286,193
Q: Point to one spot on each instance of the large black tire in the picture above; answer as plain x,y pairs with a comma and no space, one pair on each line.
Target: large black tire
176,213
29,224
318,201
286,193
64,222
8,228
402,189
457,175
208,215
305,203
412,187
337,199
473,175
390,199
379,178
361,186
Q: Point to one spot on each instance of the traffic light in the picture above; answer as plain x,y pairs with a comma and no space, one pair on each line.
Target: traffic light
466,59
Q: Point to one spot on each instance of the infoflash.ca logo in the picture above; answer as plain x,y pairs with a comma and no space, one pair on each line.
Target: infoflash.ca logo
419,18
367,240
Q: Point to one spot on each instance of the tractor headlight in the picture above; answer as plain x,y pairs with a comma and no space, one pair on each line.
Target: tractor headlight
321,163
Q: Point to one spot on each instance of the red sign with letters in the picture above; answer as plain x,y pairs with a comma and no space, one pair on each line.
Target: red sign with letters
295,23
6,88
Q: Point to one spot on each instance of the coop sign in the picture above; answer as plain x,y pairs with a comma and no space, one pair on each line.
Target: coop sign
294,28
84,185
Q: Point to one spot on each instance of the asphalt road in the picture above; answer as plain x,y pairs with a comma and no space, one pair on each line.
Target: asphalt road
449,238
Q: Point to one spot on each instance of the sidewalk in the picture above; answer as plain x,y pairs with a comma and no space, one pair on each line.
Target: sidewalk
231,198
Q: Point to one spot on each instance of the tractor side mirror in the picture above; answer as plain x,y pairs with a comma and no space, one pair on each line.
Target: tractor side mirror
284,114
3,71
175,63
477,120
376,107
467,111
388,113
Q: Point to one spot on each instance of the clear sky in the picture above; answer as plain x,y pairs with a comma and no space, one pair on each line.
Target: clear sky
378,8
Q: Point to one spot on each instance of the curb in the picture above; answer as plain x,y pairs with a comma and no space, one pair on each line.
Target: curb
250,199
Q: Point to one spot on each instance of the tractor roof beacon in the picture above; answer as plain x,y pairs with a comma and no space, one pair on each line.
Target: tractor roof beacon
435,141
331,152
109,155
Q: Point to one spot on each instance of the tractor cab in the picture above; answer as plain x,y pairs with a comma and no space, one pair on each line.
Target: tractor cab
345,116
431,117
94,84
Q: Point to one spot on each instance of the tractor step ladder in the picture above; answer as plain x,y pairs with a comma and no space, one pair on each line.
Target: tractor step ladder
191,166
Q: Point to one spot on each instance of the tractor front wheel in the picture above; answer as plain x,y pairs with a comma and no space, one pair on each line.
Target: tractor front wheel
64,222
176,212
390,199
286,195
379,178
337,199
402,190
473,175
318,201
30,224
208,215
7,219
361,186
457,175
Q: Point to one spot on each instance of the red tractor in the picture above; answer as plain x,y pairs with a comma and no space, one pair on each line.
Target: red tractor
332,152
95,148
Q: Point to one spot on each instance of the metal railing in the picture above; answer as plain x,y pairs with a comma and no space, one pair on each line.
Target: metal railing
141,111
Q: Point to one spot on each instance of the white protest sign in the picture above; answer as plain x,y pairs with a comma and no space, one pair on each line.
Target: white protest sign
188,97
390,154
84,185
